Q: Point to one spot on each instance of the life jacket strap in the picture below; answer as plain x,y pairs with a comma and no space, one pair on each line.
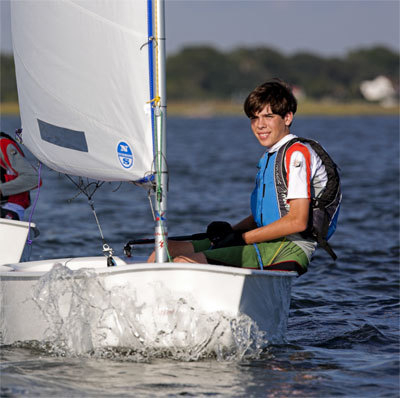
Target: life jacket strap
327,247
260,261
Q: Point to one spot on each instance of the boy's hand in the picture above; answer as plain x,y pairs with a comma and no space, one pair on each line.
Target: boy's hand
218,230
232,239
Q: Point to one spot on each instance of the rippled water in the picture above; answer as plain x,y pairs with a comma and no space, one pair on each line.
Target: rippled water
343,333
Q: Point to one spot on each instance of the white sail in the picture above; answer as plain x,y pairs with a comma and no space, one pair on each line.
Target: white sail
82,71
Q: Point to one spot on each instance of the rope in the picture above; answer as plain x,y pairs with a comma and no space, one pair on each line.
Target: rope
91,204
276,253
151,204
260,262
156,101
107,250
84,189
29,241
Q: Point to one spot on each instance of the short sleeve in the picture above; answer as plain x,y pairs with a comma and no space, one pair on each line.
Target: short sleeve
298,175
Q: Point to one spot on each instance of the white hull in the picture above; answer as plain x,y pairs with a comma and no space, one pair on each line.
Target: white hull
138,305
13,235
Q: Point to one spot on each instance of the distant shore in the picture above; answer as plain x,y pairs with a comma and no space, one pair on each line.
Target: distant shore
219,108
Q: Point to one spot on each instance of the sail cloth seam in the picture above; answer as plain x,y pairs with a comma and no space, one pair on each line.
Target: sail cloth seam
103,19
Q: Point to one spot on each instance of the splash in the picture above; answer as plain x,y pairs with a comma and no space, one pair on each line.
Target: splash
86,318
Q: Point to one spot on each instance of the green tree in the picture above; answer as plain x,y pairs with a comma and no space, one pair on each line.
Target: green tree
255,65
8,85
199,72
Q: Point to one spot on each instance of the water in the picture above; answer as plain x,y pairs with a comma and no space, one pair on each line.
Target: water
343,333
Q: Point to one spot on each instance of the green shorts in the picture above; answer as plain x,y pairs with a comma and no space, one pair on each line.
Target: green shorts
273,252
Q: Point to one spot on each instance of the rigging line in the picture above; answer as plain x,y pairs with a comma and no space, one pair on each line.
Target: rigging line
107,250
119,186
84,189
91,204
276,253
151,204
150,39
29,240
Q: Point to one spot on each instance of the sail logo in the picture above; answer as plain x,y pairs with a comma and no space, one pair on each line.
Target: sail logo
125,155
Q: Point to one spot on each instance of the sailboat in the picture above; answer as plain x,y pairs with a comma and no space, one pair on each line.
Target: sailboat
92,93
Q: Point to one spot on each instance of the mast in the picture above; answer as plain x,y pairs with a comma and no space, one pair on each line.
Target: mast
160,116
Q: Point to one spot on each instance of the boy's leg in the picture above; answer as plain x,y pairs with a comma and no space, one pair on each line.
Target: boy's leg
191,258
10,214
175,248
277,251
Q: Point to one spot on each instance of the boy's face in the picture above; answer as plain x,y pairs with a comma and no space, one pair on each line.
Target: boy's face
270,128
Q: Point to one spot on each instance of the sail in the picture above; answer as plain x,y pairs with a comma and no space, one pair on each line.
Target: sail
83,80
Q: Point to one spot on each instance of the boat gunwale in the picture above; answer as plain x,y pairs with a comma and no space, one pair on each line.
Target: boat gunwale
22,272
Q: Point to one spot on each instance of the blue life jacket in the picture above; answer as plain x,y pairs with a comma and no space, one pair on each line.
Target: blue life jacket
268,199
264,200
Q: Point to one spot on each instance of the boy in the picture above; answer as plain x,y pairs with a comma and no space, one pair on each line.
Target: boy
271,235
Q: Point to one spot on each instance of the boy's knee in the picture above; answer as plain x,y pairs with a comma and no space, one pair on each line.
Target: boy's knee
192,258
182,259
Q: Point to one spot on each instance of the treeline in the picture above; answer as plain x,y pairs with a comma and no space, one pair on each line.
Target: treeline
203,72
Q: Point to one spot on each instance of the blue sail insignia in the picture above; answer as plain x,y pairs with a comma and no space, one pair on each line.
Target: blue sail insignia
125,155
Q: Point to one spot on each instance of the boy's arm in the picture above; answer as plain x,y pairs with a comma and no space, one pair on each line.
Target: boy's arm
246,224
293,222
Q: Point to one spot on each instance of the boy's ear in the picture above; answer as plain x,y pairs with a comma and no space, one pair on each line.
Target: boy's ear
288,118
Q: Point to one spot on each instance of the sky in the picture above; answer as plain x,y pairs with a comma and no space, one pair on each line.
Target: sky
324,27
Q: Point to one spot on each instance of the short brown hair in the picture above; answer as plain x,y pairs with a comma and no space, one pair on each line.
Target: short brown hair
275,93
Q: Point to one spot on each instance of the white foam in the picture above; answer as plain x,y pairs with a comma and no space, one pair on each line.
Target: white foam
86,318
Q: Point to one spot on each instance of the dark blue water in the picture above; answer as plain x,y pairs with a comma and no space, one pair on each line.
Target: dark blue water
343,333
